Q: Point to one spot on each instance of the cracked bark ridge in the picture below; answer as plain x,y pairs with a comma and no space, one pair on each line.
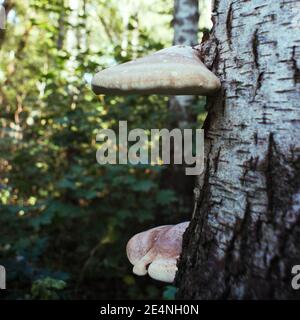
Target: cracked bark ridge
244,238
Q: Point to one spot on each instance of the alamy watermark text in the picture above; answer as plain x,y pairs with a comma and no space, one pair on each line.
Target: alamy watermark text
153,147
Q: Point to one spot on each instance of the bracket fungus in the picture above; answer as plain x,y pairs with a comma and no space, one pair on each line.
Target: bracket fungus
156,251
177,70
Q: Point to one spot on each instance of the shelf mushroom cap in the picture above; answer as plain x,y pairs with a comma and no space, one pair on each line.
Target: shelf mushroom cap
141,243
156,251
177,70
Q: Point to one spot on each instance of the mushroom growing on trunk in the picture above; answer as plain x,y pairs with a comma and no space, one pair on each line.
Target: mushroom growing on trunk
156,251
177,70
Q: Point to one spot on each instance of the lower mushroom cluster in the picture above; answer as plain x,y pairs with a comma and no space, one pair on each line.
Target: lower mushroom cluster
156,251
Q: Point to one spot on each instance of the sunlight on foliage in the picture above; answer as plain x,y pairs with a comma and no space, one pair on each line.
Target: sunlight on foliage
67,219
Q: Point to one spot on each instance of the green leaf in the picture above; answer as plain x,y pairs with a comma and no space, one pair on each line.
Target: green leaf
143,185
169,293
165,197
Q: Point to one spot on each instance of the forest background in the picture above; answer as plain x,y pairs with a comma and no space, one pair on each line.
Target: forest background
65,220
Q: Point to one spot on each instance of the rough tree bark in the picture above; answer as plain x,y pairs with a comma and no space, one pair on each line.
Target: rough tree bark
245,236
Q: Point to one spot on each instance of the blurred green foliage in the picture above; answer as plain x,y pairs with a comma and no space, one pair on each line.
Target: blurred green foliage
47,288
65,220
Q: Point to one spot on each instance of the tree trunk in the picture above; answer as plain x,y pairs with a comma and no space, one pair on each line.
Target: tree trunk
182,115
245,236
61,30
185,24
7,5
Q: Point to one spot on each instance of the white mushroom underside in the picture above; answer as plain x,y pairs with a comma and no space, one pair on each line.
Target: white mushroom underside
159,268
163,270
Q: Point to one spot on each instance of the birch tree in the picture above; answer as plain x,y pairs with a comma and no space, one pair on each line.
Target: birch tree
185,24
5,7
244,238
